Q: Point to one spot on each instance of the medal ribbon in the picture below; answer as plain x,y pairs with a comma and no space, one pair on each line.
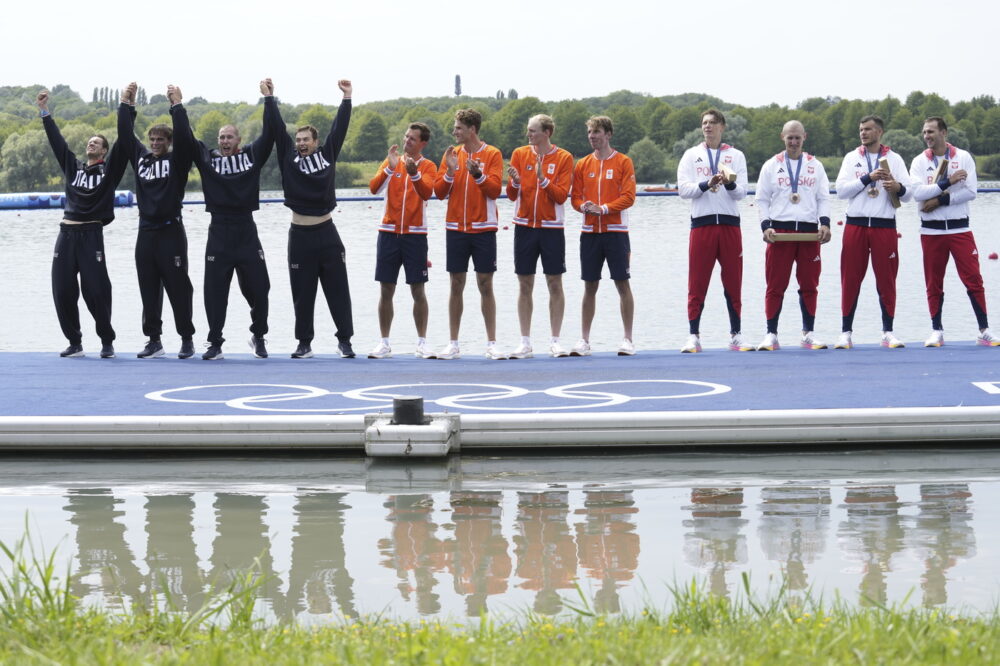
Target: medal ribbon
713,164
798,170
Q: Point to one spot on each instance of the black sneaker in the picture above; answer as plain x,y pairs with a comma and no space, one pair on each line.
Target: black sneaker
213,353
107,350
257,346
187,349
346,350
153,349
73,351
303,351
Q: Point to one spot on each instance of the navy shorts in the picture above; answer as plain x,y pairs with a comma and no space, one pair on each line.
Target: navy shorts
531,243
406,250
482,247
595,249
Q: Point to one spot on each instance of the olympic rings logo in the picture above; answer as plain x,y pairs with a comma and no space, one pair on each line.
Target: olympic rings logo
275,398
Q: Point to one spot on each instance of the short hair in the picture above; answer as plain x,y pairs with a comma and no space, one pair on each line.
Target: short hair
545,120
104,141
309,128
715,113
941,124
425,131
470,118
602,123
163,129
874,119
236,130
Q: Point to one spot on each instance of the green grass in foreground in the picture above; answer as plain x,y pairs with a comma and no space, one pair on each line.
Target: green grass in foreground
41,623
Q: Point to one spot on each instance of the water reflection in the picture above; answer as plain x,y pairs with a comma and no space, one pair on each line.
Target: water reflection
471,551
792,530
715,542
942,535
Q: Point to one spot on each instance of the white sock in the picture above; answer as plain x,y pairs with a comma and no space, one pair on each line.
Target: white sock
526,340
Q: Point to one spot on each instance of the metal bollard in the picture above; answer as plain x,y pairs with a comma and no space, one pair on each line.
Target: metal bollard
408,410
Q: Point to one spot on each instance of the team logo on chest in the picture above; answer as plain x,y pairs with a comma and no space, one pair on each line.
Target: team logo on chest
87,181
312,163
154,170
226,165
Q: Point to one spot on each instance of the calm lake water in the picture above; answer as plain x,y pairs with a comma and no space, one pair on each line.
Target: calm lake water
659,235
348,537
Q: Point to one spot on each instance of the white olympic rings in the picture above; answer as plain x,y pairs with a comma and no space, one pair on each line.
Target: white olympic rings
380,397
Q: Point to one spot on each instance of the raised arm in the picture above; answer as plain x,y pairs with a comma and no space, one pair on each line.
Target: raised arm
338,131
62,152
272,117
183,135
130,146
263,144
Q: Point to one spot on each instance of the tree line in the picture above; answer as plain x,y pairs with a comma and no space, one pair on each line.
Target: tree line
653,130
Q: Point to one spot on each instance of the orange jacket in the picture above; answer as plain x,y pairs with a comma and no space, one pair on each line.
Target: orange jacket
540,204
609,183
472,204
405,195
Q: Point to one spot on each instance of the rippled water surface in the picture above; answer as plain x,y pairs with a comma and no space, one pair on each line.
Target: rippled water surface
457,538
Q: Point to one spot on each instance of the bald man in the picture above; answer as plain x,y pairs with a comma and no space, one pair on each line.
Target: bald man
230,179
793,195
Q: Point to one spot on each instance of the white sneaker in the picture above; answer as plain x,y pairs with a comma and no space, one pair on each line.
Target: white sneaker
381,351
769,343
522,351
737,344
810,342
450,351
581,348
556,350
693,345
844,341
937,339
986,339
422,351
493,353
890,341
626,348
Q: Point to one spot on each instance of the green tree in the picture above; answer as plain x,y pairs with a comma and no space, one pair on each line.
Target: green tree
509,123
904,143
989,132
27,163
207,127
675,125
372,138
650,161
571,127
628,128
915,100
318,116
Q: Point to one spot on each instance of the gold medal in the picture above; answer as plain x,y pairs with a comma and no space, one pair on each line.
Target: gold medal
873,193
795,198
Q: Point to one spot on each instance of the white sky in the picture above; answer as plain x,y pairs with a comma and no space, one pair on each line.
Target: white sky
752,53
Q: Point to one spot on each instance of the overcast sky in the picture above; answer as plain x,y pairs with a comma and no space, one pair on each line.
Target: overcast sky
751,53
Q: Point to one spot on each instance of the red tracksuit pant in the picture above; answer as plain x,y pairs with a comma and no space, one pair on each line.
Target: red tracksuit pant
721,243
937,249
882,247
778,262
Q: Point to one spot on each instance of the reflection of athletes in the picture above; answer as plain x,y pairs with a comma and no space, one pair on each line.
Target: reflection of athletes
90,194
540,178
792,197
469,177
316,255
713,175
604,190
870,229
944,179
407,182
161,249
